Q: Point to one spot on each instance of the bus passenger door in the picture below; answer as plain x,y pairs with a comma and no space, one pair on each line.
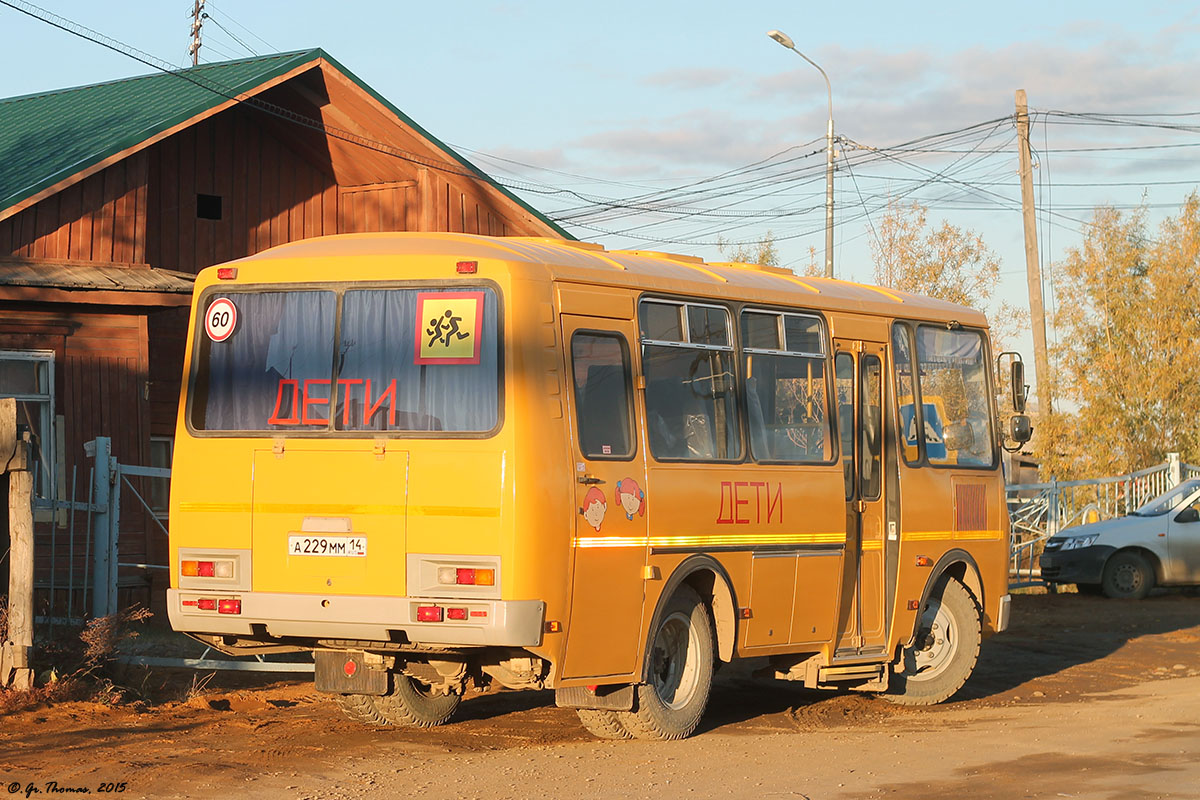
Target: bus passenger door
609,478
861,425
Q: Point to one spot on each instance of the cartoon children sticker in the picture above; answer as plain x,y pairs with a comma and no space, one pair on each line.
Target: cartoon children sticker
631,498
594,507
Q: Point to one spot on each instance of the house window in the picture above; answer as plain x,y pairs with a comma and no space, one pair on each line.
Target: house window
208,206
28,376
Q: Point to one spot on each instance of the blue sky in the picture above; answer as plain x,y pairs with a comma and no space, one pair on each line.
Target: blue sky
620,98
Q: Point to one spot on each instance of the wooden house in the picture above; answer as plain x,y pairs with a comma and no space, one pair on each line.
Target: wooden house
113,195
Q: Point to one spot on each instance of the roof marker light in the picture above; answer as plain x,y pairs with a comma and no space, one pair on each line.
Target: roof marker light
466,267
226,273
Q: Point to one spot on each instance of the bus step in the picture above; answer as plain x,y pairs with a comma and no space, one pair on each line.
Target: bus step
865,677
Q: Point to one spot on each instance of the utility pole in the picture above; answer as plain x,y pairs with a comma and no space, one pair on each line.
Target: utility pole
197,22
1033,270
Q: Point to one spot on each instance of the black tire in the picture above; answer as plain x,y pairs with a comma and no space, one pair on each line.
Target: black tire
669,705
944,651
411,704
360,708
603,724
1127,576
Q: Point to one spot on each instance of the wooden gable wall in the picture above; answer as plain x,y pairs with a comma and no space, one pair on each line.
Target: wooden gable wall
143,209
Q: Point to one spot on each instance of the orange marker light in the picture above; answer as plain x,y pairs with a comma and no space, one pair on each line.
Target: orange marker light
189,569
485,577
924,561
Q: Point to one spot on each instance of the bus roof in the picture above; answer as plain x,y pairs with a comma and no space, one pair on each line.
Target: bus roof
584,262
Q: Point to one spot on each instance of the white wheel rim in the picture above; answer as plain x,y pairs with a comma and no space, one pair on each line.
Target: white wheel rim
936,644
674,663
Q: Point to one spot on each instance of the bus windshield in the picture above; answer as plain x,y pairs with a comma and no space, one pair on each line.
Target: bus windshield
414,360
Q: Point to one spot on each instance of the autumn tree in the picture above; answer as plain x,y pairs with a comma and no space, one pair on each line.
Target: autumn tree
946,262
1128,362
763,252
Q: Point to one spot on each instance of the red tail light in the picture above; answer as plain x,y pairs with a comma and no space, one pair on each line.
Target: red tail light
456,613
230,605
429,613
206,604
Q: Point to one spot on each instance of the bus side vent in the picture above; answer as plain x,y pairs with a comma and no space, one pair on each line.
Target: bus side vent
970,507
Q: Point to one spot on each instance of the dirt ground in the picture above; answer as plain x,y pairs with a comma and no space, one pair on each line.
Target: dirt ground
1082,697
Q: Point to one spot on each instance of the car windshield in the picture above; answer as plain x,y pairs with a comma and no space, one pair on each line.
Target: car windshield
1168,500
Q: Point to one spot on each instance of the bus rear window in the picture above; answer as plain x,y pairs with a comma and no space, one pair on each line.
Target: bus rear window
413,360
444,379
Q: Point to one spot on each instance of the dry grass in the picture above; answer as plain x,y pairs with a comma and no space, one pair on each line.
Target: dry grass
77,667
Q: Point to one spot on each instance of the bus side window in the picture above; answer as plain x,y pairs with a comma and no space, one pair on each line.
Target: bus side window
600,365
785,387
691,400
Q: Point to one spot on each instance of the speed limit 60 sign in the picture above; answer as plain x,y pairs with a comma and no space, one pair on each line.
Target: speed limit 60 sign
220,319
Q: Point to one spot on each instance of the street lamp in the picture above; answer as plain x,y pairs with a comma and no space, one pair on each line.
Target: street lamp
787,42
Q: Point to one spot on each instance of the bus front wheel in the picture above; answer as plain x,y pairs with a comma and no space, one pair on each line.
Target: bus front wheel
680,670
944,651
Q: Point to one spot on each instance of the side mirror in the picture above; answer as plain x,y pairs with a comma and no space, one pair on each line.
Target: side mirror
1189,514
1020,429
1017,378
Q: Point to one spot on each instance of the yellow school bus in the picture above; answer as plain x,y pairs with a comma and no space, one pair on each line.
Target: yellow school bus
445,460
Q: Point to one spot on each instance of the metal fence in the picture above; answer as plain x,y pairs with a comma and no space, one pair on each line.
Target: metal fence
1040,510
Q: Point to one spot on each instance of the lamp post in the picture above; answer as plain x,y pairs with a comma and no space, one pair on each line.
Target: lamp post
787,42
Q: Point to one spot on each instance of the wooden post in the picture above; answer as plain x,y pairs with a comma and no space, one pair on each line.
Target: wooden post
15,671
104,570
1033,270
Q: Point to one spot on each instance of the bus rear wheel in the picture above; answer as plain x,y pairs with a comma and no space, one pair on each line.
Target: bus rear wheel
412,704
360,708
944,651
603,724
669,705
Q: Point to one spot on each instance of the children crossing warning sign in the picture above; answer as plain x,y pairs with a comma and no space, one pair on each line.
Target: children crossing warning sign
448,327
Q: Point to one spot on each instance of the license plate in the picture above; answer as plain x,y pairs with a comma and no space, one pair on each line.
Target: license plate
303,545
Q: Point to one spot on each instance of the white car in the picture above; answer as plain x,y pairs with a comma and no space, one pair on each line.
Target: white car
1156,545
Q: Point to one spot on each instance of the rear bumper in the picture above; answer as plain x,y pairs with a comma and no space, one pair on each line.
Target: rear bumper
509,623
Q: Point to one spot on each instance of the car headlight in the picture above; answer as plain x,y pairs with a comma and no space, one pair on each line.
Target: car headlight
1080,541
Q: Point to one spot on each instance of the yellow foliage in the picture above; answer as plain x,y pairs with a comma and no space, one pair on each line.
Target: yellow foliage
1128,362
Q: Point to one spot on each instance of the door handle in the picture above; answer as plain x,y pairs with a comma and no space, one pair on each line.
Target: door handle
860,506
588,479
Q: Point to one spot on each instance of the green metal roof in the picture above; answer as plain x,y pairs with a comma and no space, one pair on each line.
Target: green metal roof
48,137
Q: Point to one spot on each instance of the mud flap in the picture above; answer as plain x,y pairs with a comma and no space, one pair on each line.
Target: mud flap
346,672
611,698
